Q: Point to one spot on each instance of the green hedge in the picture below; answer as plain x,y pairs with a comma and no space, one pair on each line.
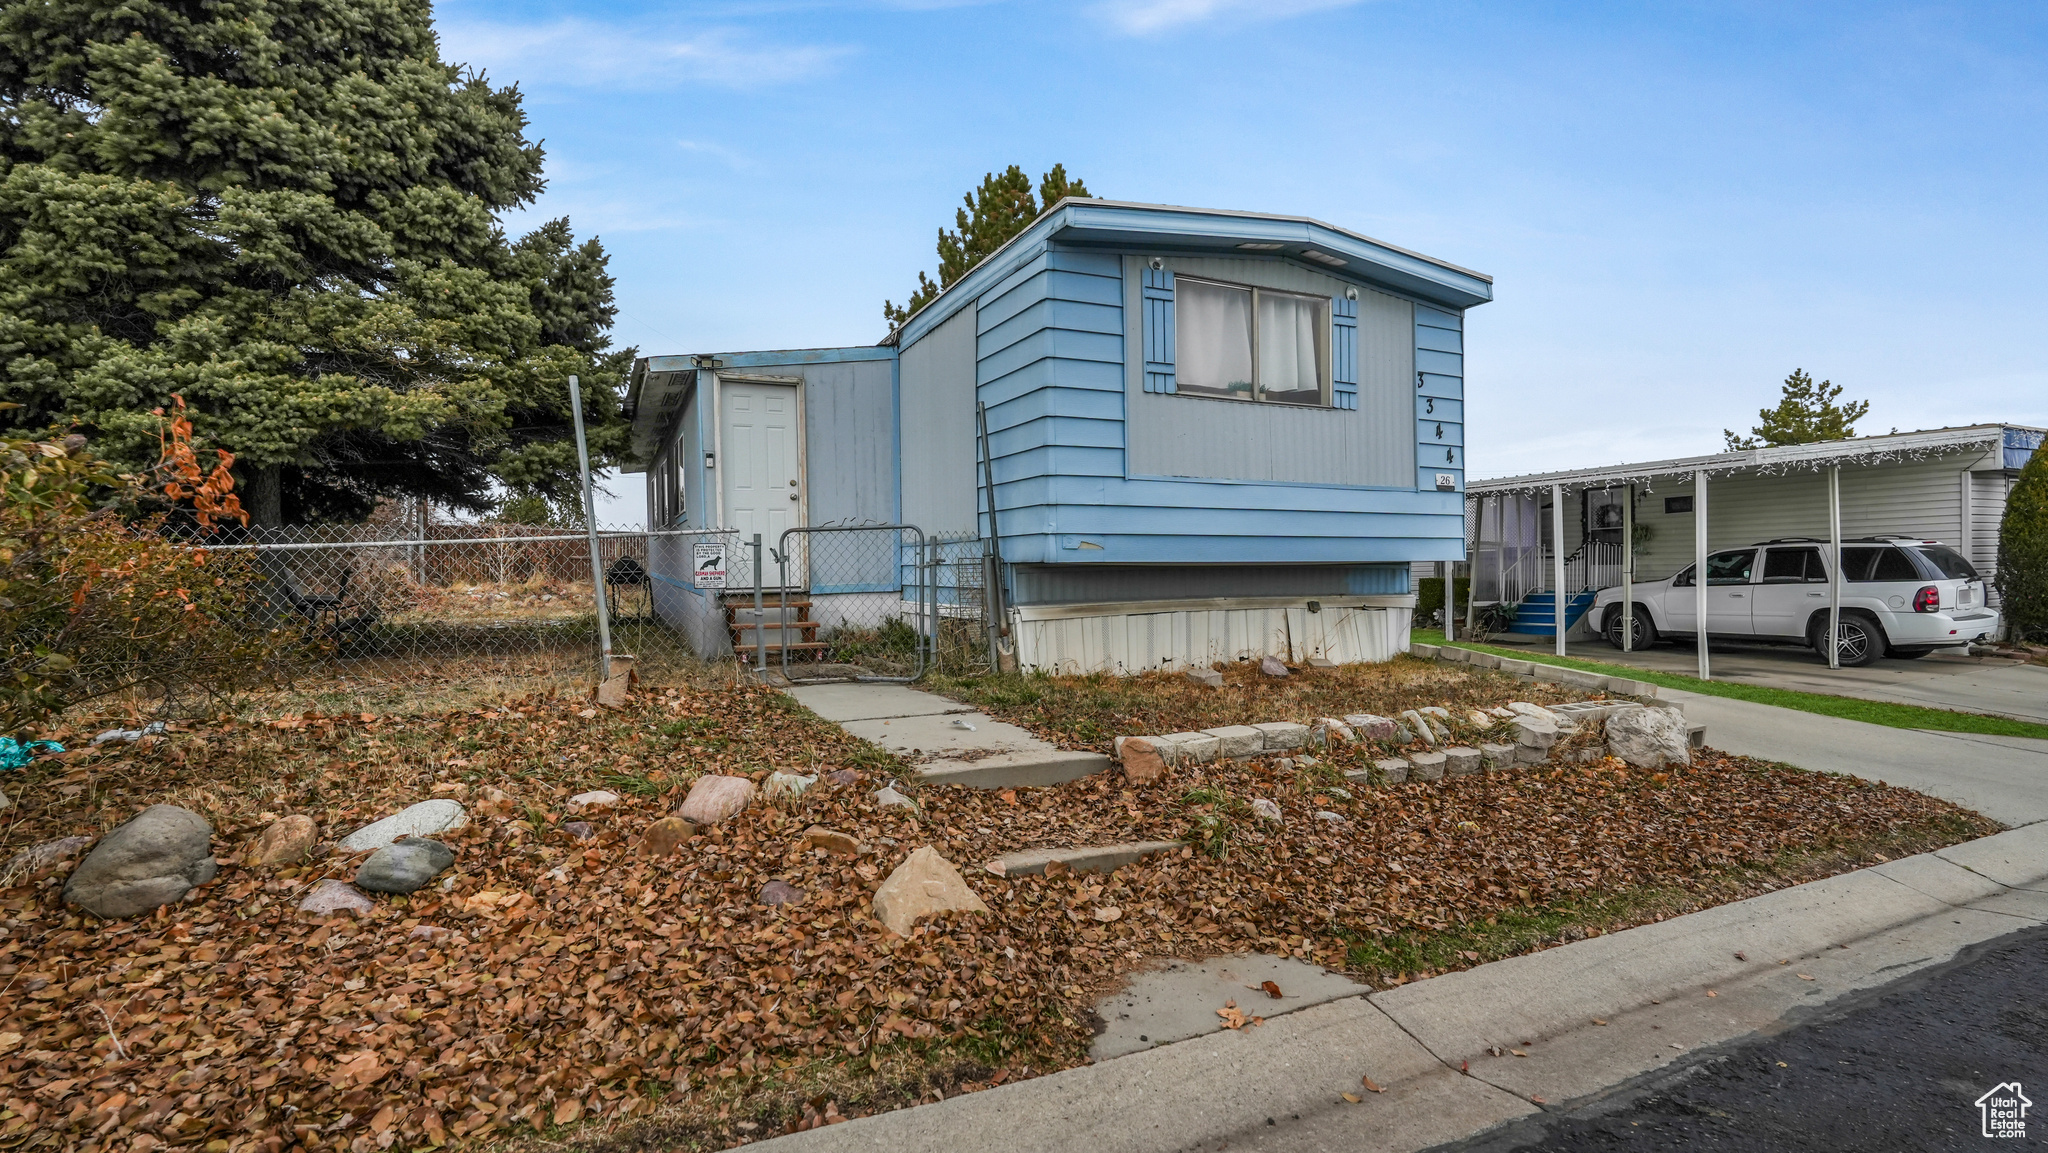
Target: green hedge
1429,595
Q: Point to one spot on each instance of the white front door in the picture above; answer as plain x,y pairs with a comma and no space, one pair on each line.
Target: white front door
759,466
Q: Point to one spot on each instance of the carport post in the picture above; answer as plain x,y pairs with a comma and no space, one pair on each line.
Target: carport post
1557,561
1628,572
1835,567
1699,567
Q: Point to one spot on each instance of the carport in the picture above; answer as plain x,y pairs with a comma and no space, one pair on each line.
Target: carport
1646,521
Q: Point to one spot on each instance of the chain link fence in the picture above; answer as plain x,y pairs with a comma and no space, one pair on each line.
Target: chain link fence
958,570
369,599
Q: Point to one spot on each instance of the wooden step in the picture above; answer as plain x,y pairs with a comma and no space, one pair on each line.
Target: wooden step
801,646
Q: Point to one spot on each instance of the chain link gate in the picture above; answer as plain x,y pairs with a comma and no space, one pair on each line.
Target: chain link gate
957,568
845,594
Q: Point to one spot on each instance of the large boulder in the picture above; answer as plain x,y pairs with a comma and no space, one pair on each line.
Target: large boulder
404,866
154,859
1649,738
925,883
713,798
422,820
286,840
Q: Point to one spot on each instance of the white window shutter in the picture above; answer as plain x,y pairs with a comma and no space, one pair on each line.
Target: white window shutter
1158,323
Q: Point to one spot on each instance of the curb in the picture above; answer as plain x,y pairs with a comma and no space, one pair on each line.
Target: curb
1588,1015
1535,670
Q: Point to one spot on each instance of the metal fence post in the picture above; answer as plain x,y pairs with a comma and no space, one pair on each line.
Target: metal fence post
604,624
760,633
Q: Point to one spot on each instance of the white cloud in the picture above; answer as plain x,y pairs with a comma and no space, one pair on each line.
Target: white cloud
1143,17
581,52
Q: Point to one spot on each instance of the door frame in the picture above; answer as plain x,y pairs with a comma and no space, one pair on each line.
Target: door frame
803,456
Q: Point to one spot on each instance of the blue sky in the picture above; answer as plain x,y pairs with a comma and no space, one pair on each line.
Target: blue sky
1679,203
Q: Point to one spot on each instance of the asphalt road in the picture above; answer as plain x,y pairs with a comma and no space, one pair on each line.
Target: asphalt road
1898,1068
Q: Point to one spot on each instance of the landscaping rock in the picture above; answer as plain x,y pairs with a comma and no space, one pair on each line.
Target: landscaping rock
1438,711
924,884
1426,652
665,836
1234,741
287,839
331,896
1497,757
581,830
1144,758
1417,727
1195,748
1395,769
887,796
1329,731
424,819
1265,810
152,860
1530,755
1481,660
1426,766
1535,734
1207,678
782,785
1273,666
1524,708
843,777
780,893
832,841
1649,738
1280,736
36,858
1461,762
1370,727
1321,663
1479,719
713,798
1327,815
403,866
598,799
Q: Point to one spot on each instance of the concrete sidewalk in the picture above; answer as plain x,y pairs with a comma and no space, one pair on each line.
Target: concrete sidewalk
947,742
1465,1052
2004,778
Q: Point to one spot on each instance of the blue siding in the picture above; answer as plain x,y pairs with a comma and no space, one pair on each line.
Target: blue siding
1051,342
1439,397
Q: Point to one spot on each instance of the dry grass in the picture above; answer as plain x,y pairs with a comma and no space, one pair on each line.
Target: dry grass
1092,711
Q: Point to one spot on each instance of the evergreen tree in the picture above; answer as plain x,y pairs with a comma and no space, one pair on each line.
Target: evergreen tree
1806,413
995,212
2023,552
287,211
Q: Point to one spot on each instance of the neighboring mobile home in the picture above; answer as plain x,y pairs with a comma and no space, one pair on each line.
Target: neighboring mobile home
1946,484
1213,435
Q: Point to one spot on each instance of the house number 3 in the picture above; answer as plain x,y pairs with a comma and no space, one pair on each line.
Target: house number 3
1429,403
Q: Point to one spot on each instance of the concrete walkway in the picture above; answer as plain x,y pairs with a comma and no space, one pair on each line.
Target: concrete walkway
1999,686
1465,1052
948,742
2004,778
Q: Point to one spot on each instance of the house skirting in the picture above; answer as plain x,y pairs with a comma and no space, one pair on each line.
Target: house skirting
1138,636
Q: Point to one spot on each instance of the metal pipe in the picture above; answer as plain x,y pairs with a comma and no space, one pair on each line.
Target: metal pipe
1478,551
1557,560
604,624
1835,567
1699,567
1628,572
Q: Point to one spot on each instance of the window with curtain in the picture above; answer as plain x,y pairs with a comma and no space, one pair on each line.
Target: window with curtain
1241,343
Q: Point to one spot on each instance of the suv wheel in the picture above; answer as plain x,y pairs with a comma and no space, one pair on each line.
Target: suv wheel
1645,630
1861,639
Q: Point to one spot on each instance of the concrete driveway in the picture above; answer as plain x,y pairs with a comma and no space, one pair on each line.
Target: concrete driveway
1994,685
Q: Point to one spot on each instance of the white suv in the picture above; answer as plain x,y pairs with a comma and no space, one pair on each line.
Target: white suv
1900,597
